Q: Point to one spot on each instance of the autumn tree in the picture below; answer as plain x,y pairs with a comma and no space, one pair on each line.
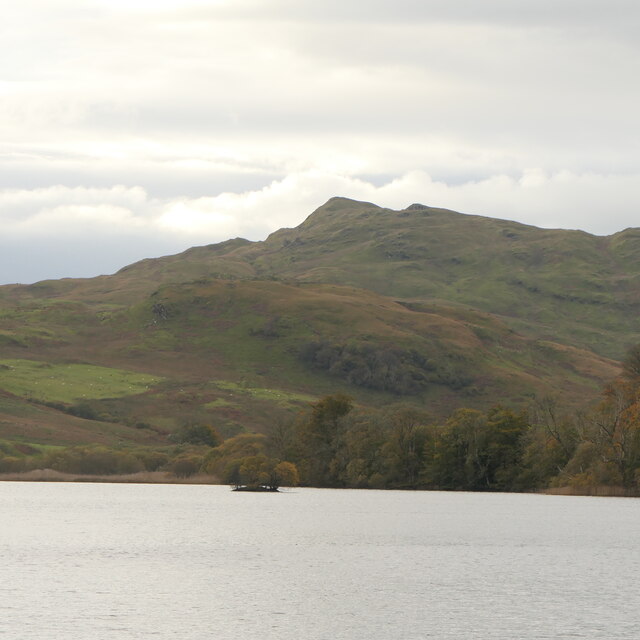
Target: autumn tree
241,446
405,448
608,452
317,437
197,434
476,451
261,472
255,471
560,428
504,447
281,440
186,465
454,461
359,460
614,428
285,474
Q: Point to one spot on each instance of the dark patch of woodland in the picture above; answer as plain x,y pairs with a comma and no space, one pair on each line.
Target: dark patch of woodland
398,371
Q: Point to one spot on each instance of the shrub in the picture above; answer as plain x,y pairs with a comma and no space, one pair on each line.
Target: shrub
197,434
11,464
241,446
93,461
152,460
186,466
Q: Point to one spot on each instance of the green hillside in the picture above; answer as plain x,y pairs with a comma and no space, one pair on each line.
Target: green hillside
550,284
424,307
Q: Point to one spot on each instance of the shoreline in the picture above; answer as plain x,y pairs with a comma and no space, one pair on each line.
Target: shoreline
164,477
141,477
597,491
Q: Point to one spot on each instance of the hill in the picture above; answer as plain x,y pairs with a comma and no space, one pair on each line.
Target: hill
549,284
423,306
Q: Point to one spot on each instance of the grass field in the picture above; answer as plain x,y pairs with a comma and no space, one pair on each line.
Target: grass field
70,383
276,396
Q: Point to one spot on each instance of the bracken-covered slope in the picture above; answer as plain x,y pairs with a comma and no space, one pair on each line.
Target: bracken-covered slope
422,306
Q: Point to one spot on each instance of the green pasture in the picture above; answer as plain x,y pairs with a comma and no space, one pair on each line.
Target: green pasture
70,383
277,396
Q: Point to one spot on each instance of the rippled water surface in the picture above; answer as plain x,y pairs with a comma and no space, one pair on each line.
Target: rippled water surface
98,561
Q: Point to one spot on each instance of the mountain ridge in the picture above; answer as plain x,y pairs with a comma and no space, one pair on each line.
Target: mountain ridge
440,254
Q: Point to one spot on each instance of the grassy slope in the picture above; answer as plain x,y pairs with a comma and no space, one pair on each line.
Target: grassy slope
551,284
560,285
25,421
209,356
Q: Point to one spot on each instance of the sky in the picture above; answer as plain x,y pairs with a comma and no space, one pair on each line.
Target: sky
139,128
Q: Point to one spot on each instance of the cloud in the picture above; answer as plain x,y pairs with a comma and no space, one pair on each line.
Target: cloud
530,12
237,117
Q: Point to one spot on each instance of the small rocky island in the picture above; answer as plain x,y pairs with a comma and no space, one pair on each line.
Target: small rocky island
261,474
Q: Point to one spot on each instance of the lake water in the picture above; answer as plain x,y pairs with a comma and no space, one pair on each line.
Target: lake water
101,561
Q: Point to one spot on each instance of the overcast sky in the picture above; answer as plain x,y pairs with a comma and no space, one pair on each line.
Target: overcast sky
137,128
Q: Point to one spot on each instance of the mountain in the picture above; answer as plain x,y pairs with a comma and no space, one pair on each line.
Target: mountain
546,283
422,306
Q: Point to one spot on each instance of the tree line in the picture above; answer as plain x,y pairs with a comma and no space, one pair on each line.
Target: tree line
336,444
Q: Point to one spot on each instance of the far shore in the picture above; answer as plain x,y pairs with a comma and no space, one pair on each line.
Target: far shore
603,491
163,477
142,477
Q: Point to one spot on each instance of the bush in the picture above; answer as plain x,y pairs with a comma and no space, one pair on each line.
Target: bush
152,460
83,410
197,434
11,464
260,471
93,461
186,466
241,446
